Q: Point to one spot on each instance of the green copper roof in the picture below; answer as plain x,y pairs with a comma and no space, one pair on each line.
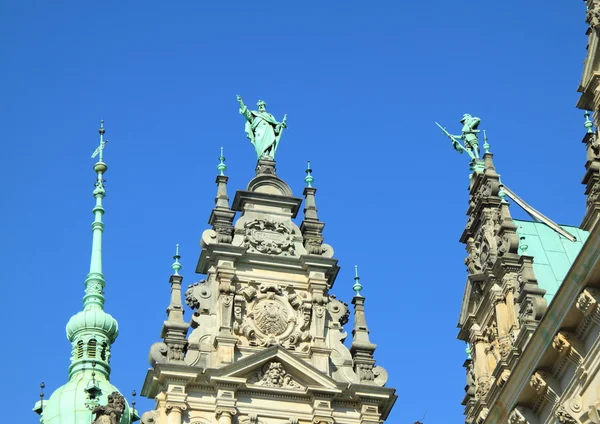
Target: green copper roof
552,253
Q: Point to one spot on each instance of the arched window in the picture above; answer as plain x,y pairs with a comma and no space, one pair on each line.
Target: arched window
92,348
79,349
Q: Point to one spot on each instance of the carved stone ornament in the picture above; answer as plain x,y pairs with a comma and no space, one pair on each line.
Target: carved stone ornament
150,417
516,417
112,411
194,292
593,15
564,417
273,374
593,196
271,317
483,387
314,245
270,237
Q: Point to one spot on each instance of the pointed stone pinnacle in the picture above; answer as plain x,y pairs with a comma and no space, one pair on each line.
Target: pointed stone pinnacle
357,287
309,178
176,265
221,167
589,125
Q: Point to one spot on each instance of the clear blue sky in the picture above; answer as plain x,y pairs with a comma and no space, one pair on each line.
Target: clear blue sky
361,82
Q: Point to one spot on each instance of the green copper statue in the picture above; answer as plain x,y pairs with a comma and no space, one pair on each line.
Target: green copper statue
262,129
469,136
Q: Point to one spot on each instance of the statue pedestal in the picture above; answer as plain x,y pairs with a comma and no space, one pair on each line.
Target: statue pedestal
265,165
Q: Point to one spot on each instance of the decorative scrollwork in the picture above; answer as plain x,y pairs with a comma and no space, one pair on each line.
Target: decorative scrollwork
270,237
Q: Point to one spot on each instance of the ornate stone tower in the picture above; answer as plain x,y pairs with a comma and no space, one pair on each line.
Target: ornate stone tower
88,396
532,352
503,302
267,335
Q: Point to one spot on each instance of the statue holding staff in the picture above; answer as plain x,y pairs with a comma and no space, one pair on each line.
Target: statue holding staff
262,129
468,136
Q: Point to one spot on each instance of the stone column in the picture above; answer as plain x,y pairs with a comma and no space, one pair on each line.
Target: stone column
175,412
225,415
503,324
225,339
480,360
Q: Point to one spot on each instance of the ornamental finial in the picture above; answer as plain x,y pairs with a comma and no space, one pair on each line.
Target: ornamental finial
309,178
486,145
588,124
176,265
100,149
357,287
221,167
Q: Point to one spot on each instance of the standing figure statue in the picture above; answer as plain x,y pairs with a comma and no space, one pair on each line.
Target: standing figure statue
468,136
262,129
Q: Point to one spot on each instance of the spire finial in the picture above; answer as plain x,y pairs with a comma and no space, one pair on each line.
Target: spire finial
486,145
133,395
176,265
357,287
588,124
100,149
221,167
309,178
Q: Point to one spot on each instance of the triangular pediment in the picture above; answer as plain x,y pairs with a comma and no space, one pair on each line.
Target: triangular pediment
278,369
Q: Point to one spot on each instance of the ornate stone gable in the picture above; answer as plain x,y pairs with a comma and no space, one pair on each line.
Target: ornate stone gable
267,335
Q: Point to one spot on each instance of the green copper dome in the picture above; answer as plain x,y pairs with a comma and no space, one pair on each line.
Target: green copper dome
95,320
71,403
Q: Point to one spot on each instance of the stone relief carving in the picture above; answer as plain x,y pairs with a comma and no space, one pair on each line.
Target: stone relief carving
271,317
273,374
564,417
516,417
483,387
111,412
473,260
266,314
270,237
593,195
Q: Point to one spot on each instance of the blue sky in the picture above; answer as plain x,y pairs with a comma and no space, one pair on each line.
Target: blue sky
362,84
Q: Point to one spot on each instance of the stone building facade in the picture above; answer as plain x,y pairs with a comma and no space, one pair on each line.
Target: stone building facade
265,343
531,312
